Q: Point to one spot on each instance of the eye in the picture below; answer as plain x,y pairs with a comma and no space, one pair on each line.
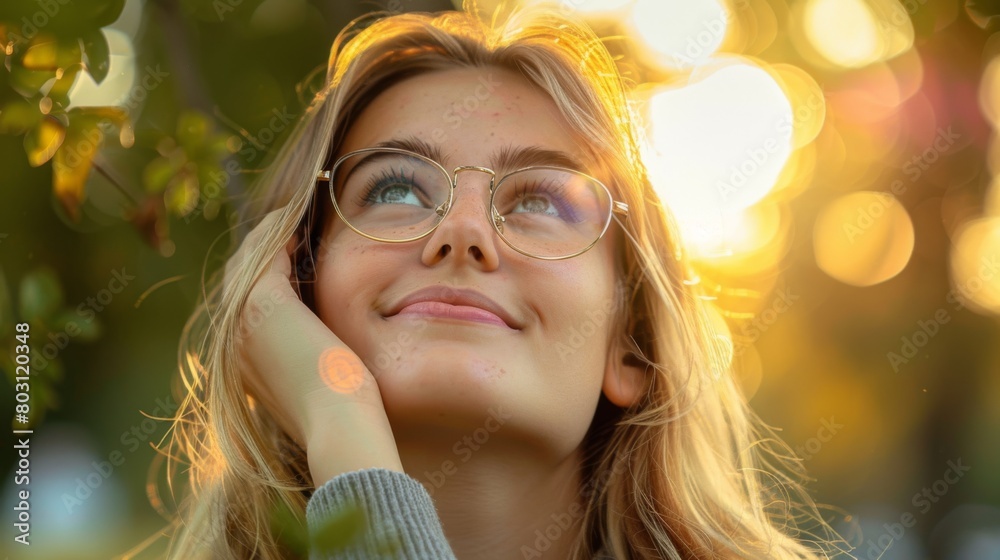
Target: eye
393,187
543,197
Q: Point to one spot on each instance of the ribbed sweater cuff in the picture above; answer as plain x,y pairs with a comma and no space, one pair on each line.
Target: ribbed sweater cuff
398,509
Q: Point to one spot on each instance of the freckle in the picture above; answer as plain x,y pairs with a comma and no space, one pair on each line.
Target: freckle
496,114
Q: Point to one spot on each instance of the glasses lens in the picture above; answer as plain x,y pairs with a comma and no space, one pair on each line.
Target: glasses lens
388,194
552,213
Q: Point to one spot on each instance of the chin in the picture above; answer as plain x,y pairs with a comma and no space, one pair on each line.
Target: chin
451,363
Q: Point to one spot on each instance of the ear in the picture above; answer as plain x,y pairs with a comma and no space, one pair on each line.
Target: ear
623,381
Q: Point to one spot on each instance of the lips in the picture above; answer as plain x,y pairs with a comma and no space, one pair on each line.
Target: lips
454,303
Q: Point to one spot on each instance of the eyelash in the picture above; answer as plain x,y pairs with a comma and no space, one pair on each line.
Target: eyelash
388,178
556,198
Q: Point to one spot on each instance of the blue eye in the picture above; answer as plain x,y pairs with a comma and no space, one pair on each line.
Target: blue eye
392,187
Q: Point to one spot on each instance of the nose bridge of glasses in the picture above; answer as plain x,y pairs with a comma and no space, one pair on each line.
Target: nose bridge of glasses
485,170
476,187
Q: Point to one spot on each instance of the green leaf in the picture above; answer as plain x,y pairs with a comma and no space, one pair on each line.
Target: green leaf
98,54
192,128
53,371
157,174
18,116
42,54
108,13
181,197
42,141
339,529
72,164
290,529
59,92
6,310
28,83
86,326
41,295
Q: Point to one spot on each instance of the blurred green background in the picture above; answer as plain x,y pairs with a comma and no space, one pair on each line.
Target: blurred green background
831,162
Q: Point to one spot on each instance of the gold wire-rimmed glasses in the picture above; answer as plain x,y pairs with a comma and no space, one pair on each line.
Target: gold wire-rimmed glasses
396,196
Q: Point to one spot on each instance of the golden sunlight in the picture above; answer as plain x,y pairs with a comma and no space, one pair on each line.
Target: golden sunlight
718,146
975,266
855,33
863,238
681,33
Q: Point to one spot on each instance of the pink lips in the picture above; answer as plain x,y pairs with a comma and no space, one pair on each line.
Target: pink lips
455,302
448,311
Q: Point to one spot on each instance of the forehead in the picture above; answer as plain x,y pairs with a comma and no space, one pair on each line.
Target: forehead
466,113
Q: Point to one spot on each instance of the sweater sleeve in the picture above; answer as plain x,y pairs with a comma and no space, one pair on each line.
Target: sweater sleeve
398,509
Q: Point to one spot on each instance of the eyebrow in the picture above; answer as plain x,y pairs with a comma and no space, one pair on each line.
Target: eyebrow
504,160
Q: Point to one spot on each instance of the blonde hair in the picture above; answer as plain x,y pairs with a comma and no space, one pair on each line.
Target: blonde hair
688,471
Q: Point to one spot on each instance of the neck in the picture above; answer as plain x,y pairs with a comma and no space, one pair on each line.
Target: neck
499,500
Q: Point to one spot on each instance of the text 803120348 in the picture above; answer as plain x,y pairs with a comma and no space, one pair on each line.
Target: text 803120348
21,387
22,410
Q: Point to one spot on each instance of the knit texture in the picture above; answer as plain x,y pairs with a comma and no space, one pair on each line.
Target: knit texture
399,512
398,509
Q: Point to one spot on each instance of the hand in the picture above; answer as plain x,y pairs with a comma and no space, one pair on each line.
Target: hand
315,387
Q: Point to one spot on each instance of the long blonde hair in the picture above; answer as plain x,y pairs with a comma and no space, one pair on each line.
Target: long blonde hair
688,471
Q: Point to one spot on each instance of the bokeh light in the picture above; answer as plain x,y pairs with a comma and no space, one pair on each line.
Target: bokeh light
975,265
807,100
863,238
843,31
850,33
989,91
718,146
683,33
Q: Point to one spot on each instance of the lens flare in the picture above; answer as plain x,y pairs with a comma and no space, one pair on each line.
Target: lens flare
341,371
718,146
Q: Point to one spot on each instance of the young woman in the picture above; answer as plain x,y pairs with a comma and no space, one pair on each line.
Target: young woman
464,310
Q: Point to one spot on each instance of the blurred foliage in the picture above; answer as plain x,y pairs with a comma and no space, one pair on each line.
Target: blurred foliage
52,327
44,50
335,532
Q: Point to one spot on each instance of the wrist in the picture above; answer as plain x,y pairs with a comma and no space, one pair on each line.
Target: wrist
348,438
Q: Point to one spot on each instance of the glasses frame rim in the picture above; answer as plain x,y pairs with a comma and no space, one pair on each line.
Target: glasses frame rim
616,206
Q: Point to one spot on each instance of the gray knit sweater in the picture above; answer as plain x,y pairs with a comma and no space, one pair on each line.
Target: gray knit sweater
394,503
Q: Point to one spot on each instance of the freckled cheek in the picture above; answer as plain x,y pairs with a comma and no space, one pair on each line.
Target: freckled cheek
344,281
578,292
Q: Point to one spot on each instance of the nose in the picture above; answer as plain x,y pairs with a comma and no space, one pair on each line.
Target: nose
466,234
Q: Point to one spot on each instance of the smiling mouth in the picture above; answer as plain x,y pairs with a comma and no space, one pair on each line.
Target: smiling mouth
441,310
